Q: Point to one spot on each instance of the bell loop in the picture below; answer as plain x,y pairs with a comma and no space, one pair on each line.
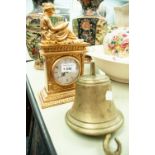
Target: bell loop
106,146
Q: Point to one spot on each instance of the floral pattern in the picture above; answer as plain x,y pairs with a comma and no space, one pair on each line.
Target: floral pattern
116,42
91,30
87,29
85,25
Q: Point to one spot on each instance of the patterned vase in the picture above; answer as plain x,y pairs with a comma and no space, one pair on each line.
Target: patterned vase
33,35
91,26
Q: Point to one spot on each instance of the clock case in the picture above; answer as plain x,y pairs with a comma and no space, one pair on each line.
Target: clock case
54,93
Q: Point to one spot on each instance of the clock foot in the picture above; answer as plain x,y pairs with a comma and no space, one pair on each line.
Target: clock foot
52,99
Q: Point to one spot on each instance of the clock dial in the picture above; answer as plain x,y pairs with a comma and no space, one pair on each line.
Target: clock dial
66,70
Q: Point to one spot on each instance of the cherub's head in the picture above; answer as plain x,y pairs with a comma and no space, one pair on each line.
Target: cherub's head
49,8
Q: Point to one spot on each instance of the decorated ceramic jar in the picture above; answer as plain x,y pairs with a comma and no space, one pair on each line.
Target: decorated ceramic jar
33,35
91,26
90,5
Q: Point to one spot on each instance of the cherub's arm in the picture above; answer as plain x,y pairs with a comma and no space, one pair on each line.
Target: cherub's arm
49,24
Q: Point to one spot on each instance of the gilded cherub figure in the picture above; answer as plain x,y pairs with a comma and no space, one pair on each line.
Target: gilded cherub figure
59,33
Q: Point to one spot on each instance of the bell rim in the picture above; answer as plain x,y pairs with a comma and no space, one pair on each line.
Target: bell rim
92,131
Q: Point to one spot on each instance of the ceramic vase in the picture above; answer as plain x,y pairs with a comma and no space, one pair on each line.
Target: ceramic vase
33,35
91,26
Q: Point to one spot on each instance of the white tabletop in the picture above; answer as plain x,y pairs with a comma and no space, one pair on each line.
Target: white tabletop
65,140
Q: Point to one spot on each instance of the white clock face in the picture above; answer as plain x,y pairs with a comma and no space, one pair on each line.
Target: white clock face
66,70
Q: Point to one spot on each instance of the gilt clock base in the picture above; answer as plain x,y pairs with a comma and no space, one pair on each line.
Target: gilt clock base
52,99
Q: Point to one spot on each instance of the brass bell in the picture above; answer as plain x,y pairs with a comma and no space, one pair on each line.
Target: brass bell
93,112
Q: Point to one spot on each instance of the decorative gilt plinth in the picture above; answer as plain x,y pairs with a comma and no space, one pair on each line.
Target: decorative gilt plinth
52,99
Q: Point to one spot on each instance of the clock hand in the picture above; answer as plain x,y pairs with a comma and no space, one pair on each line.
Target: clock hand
63,74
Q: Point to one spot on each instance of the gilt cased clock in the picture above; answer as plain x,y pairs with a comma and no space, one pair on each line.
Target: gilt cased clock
63,65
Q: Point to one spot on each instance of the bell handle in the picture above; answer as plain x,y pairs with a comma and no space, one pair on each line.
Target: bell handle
92,68
106,146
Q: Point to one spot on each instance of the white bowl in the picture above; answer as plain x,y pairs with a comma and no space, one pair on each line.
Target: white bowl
116,68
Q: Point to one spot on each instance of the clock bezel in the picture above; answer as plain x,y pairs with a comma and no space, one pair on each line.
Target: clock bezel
59,59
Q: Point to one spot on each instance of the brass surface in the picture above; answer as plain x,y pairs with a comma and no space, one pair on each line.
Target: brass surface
91,113
106,146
